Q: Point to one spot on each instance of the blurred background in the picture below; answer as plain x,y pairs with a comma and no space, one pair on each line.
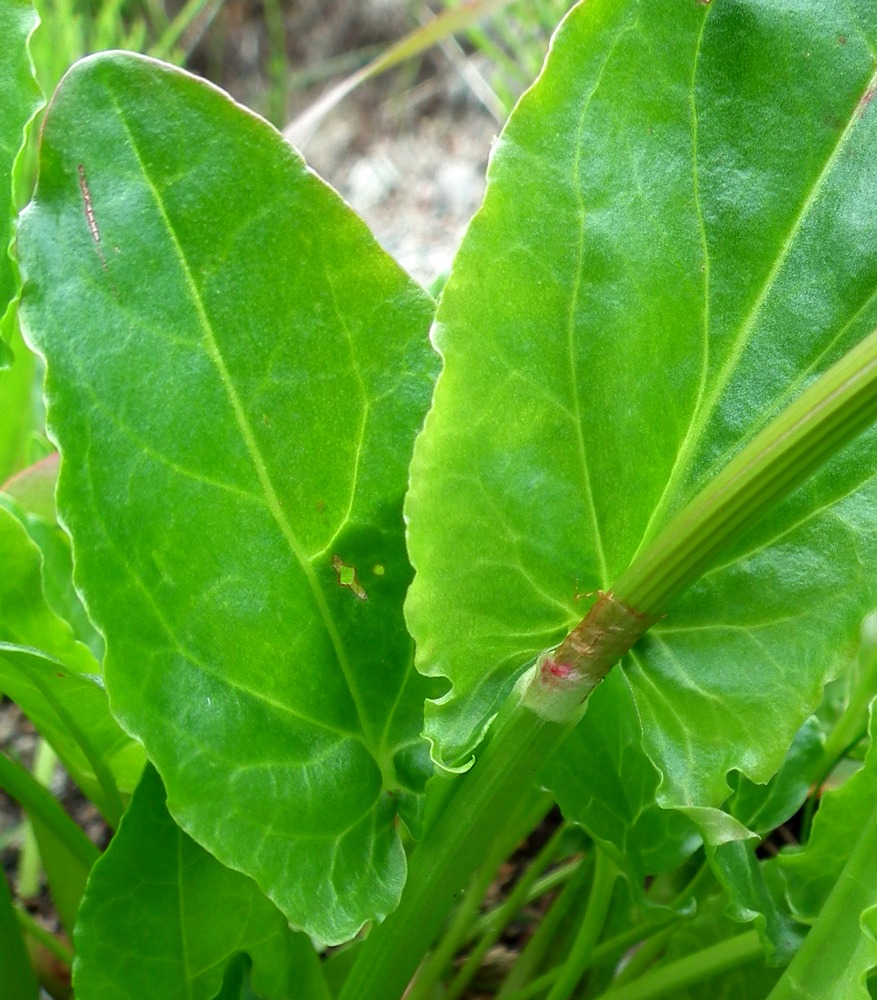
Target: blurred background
394,102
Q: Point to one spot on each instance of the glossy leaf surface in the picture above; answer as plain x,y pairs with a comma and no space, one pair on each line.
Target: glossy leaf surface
188,916
669,264
763,808
755,894
235,414
754,890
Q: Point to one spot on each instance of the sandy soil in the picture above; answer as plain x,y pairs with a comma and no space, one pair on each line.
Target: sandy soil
416,186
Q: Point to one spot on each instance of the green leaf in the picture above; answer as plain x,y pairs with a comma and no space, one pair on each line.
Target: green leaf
16,973
670,264
65,873
26,618
763,808
603,781
753,888
189,916
19,100
756,894
711,927
71,711
830,885
235,415
17,391
55,679
34,489
811,873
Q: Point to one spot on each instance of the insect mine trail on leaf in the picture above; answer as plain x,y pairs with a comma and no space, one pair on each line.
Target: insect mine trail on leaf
92,223
89,209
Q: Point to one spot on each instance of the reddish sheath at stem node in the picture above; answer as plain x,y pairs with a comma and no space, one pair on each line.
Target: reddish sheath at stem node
563,678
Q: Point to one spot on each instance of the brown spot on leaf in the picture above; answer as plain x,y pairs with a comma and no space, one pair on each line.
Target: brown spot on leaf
347,577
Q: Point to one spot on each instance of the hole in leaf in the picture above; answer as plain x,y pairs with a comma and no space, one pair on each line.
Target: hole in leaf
347,577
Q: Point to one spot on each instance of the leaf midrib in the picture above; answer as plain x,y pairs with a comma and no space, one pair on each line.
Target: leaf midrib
272,501
578,280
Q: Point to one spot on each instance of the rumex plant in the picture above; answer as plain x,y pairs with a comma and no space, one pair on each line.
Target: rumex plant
353,570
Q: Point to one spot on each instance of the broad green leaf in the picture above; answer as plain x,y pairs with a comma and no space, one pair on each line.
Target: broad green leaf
755,894
603,781
189,916
19,99
753,888
235,414
677,237
842,958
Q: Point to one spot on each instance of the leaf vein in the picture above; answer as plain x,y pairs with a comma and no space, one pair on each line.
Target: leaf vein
575,296
245,428
710,403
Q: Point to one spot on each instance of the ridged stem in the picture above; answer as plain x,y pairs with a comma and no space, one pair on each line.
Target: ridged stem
831,412
548,703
